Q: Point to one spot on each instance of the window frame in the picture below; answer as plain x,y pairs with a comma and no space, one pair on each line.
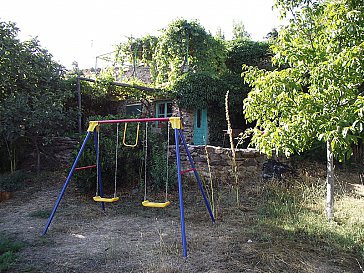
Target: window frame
165,113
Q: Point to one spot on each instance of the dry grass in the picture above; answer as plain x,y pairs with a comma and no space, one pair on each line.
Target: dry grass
130,238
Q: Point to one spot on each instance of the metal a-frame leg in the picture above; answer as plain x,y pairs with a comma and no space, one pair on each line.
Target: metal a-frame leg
178,134
99,178
207,204
66,184
181,206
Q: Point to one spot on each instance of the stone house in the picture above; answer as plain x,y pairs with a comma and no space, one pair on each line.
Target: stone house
195,122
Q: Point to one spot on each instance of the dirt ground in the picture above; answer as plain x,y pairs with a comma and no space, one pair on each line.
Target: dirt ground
130,238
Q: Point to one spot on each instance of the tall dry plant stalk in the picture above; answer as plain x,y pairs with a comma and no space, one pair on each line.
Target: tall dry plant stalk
212,198
233,153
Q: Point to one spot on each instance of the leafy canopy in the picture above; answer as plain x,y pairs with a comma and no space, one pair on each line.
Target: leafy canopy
183,46
317,91
32,88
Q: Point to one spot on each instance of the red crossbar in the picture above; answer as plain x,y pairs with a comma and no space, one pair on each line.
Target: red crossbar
189,170
133,120
84,168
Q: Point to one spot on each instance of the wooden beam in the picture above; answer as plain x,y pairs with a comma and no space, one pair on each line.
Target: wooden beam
139,87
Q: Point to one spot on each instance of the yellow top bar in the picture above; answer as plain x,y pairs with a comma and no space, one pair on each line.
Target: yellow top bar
176,122
92,125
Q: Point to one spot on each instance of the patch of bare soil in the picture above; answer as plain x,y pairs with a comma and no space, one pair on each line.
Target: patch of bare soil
130,238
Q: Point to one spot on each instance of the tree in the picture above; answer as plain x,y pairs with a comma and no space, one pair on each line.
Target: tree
33,91
272,35
239,31
248,52
317,91
184,47
220,34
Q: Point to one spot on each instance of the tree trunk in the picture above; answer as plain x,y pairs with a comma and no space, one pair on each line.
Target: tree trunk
12,155
36,146
330,183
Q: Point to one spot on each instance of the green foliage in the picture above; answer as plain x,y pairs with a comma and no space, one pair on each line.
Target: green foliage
317,93
34,95
272,35
199,90
192,64
239,31
100,98
128,159
42,213
183,46
10,47
157,163
8,248
248,52
186,46
135,49
12,181
6,260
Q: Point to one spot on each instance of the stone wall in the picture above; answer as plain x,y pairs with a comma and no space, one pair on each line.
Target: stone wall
61,153
249,162
57,154
187,119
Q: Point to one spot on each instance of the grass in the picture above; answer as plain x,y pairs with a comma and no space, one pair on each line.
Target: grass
42,213
8,249
297,212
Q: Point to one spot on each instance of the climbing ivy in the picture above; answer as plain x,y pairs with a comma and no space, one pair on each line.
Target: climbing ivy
136,50
198,90
196,69
182,47
187,47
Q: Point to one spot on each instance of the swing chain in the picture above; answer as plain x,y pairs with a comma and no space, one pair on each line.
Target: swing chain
116,157
146,203
145,159
167,161
98,161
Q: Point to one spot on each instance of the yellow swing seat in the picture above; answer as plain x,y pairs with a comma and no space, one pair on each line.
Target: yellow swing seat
149,204
104,199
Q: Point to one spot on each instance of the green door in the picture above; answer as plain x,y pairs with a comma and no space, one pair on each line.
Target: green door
200,132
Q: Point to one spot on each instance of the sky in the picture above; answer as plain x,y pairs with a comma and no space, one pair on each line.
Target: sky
81,30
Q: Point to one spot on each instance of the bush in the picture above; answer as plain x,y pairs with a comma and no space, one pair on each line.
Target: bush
157,168
12,181
7,252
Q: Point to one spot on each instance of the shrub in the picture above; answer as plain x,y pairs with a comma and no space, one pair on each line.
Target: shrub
157,168
7,252
12,181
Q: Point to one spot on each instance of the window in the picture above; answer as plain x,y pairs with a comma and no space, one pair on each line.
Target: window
164,109
199,118
133,110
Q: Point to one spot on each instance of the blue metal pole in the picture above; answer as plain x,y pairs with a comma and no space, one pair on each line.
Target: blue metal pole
96,142
66,183
181,207
197,176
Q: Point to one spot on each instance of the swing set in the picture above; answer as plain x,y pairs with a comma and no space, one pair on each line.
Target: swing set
94,128
146,202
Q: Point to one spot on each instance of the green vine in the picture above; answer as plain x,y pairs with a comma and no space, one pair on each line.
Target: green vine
182,47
